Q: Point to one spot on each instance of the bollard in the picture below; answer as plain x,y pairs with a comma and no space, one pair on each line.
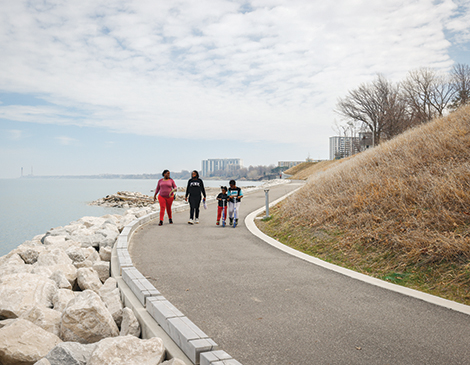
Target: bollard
266,192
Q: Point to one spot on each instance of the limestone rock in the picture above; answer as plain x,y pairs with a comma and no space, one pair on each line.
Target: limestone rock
105,253
76,254
49,240
81,264
59,278
92,254
62,298
86,319
21,292
128,350
43,361
102,268
56,256
6,322
30,256
22,342
111,296
46,318
70,353
130,325
88,278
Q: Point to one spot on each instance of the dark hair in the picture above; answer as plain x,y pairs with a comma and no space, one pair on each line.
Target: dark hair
232,182
164,172
223,188
197,174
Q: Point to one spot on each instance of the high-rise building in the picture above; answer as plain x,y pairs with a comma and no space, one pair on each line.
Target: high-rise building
210,166
341,147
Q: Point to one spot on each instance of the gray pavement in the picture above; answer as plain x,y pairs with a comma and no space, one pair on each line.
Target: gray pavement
263,306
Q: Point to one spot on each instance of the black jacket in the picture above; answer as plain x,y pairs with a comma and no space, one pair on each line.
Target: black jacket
195,188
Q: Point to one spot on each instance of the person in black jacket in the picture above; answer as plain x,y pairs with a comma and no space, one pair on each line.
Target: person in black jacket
194,190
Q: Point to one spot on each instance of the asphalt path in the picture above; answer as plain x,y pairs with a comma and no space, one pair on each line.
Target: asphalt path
263,306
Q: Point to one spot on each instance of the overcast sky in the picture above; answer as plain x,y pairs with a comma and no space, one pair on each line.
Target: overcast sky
89,87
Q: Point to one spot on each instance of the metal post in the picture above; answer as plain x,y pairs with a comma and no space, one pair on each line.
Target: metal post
266,192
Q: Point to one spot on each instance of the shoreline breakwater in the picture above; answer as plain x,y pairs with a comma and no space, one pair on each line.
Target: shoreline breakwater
59,303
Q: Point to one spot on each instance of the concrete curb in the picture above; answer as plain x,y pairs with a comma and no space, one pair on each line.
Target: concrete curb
156,315
250,224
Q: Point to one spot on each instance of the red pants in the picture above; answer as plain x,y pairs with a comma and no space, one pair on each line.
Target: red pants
165,203
219,212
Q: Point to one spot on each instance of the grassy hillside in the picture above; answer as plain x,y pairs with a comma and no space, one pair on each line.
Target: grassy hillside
307,169
400,211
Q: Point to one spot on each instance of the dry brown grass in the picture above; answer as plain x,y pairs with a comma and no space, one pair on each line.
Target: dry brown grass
307,169
407,200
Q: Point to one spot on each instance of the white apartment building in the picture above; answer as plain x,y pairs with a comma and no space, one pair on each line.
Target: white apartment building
220,164
341,147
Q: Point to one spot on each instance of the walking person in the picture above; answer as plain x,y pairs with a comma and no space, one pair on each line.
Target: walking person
167,188
194,190
235,195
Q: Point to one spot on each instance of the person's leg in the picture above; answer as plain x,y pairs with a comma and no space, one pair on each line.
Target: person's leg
162,202
219,213
230,210
169,203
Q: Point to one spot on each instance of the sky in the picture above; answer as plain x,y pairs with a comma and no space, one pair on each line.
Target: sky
131,87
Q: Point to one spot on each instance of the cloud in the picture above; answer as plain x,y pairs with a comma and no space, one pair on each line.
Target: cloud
66,141
250,70
15,134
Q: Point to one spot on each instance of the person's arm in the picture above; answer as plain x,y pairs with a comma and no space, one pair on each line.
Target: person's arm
203,190
156,190
187,191
240,194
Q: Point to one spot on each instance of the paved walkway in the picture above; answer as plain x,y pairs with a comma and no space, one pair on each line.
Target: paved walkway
263,306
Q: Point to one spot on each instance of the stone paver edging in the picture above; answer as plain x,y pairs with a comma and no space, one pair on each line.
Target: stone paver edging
250,224
156,315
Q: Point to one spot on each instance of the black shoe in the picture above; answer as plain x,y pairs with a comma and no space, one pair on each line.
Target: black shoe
171,221
161,223
231,221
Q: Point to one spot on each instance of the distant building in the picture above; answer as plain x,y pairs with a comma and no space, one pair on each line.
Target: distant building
284,165
210,166
341,147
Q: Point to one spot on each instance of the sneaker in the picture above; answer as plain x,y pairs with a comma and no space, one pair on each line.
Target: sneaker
196,221
171,221
217,223
231,221
190,221
161,223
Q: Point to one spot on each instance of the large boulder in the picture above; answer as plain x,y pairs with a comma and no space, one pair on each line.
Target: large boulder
87,320
111,297
43,361
128,350
102,268
62,298
46,318
130,325
70,353
24,343
105,253
21,292
87,278
61,280
56,256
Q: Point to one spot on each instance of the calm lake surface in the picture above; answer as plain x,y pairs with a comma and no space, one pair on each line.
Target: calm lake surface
29,207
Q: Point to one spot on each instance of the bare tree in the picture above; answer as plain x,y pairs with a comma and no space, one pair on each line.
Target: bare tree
378,106
461,83
427,94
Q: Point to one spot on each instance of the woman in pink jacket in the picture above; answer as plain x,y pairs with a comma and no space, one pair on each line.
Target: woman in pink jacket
167,188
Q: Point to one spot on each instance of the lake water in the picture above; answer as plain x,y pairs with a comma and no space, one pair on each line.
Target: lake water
29,207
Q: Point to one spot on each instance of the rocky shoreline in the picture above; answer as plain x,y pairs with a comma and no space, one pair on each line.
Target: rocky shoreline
59,305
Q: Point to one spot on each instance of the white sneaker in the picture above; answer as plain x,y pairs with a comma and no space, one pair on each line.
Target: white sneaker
196,221
190,221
